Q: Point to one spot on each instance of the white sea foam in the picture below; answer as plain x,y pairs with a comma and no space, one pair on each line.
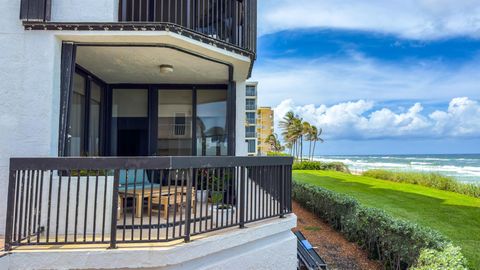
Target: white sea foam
464,169
420,163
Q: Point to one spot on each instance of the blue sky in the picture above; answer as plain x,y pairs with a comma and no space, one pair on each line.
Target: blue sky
399,77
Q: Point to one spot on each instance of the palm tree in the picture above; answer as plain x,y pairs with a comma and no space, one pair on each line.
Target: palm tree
274,142
317,138
311,135
287,125
305,131
295,134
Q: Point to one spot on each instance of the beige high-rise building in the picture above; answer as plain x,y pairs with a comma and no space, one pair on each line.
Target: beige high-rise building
265,120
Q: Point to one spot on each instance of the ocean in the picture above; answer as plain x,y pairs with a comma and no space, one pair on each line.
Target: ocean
465,168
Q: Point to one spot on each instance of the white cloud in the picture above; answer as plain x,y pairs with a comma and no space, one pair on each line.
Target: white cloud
417,19
357,120
328,80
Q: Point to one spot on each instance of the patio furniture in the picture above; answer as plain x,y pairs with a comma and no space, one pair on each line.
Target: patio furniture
135,184
140,188
164,200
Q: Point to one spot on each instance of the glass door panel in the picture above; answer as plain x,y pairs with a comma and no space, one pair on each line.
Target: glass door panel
129,122
95,119
77,117
211,122
174,135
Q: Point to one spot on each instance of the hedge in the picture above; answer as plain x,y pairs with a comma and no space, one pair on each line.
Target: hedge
323,166
398,244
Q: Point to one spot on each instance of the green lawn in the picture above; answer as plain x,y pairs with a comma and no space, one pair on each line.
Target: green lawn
454,215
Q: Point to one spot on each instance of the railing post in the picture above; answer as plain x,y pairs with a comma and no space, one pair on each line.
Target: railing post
189,205
234,22
282,191
10,205
113,224
242,197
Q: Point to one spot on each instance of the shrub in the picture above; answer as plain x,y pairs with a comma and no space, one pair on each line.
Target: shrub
398,244
277,154
433,180
323,166
449,258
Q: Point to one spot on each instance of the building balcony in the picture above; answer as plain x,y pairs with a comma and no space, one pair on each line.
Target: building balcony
110,201
231,24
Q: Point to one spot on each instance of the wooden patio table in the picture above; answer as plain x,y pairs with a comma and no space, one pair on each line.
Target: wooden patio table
147,193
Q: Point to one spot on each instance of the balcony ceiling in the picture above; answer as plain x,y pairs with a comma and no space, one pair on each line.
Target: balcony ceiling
142,65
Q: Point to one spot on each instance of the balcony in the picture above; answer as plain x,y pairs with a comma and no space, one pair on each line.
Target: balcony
81,201
231,24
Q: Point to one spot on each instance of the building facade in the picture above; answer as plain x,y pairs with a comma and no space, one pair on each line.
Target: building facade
132,116
265,128
251,118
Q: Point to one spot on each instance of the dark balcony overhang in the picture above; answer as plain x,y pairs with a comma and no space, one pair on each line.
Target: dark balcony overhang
141,27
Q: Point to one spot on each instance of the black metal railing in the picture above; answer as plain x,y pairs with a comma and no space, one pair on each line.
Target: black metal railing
232,21
130,200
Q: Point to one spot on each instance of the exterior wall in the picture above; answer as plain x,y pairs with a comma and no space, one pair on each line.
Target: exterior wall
265,122
241,144
29,100
264,245
85,11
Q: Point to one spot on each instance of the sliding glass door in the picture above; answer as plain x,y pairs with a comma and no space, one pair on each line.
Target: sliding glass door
211,122
174,133
143,120
85,129
129,122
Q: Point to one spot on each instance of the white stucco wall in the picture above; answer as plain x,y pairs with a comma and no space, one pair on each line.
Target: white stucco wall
30,77
29,83
85,11
265,245
241,146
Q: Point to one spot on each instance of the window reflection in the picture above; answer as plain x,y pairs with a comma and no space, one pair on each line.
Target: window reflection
94,125
211,122
77,117
174,123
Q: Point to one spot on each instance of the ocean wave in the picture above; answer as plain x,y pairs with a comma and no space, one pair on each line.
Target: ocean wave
419,165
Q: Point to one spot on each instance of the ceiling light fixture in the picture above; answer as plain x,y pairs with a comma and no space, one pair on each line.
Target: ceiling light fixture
165,69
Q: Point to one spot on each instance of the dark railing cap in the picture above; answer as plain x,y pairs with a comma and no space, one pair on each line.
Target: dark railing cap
112,163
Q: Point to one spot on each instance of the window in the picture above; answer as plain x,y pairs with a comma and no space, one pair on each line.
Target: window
211,122
252,148
251,118
180,124
250,132
84,130
251,104
251,91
